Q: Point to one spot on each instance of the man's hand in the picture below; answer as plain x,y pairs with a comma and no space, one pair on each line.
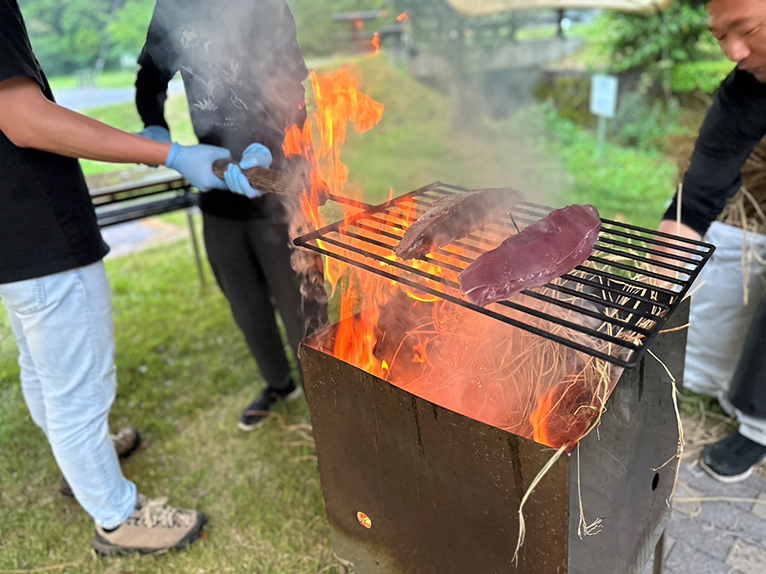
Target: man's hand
256,155
195,163
156,133
679,230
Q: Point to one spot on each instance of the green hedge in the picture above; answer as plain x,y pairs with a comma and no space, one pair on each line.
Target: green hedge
703,76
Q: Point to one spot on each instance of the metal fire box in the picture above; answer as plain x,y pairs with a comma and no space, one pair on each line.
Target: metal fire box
414,488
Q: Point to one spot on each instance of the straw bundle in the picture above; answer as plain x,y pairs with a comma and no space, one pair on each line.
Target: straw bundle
746,209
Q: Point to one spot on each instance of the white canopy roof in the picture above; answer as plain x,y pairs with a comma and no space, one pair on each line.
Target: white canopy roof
483,7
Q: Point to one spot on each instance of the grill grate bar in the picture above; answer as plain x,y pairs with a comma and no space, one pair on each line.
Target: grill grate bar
657,242
492,244
488,312
588,312
434,261
646,250
431,260
611,286
612,305
625,255
514,306
648,273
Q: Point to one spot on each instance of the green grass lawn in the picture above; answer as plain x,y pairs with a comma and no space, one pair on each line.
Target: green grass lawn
627,184
184,376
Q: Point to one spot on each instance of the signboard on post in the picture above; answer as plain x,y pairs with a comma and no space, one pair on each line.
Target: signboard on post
603,96
603,103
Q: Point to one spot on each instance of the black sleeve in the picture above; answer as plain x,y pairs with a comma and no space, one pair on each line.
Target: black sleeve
157,67
734,125
290,47
16,57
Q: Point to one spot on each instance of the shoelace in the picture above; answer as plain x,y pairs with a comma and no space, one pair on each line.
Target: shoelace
155,513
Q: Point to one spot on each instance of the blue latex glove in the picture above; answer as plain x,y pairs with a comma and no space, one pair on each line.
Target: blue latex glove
195,163
256,155
156,133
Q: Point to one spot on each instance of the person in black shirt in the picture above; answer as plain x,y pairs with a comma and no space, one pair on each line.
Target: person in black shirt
243,73
734,125
54,287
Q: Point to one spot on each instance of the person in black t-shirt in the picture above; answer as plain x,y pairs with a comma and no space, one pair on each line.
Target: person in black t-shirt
243,76
734,125
54,287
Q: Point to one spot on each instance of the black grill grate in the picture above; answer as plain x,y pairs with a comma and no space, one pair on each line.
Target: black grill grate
608,308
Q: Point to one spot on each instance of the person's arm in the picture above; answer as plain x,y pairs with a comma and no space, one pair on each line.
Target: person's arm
157,68
38,123
733,126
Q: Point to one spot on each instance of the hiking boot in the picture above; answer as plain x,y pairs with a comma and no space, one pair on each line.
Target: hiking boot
732,459
257,411
126,442
153,528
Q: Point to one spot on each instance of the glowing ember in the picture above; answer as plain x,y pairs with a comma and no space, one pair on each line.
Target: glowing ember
364,520
376,42
402,17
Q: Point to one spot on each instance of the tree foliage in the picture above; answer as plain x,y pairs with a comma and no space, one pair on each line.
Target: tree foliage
441,28
66,35
128,29
705,76
316,29
623,42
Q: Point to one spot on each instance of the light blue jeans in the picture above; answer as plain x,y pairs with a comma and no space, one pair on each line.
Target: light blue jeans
64,329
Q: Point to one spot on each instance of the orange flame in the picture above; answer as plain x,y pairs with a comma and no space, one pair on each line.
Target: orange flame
376,42
421,298
564,414
420,353
339,102
402,17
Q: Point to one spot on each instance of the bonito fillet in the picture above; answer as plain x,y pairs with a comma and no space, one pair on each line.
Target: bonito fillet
453,217
545,250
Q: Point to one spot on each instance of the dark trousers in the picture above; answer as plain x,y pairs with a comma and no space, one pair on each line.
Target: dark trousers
251,262
748,387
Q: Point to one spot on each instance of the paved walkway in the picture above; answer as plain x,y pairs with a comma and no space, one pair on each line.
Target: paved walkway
726,535
127,238
80,99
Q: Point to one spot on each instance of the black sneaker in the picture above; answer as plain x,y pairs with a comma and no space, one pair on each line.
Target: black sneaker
732,459
257,411
126,442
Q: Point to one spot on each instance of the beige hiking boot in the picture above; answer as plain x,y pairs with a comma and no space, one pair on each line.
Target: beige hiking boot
153,528
126,441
